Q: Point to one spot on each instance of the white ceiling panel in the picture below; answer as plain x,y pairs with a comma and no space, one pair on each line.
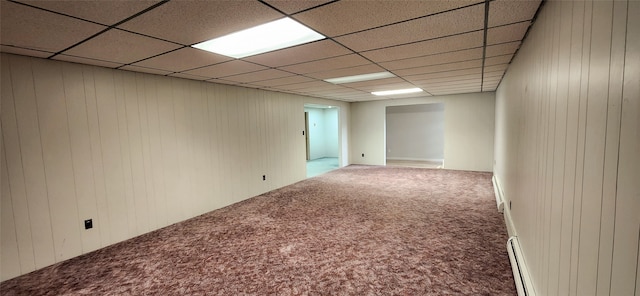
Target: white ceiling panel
291,7
503,59
503,12
441,45
183,59
434,44
504,48
440,68
365,69
446,74
188,76
258,76
121,47
190,22
107,12
284,81
25,51
446,79
508,33
36,29
300,54
145,70
440,25
344,17
226,69
80,60
449,57
323,65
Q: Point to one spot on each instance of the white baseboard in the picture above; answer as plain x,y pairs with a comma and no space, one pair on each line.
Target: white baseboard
416,159
497,190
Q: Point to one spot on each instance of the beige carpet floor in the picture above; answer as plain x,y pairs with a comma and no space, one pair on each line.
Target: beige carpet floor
359,230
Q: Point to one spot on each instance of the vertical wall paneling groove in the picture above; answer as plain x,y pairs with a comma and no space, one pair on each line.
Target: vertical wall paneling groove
627,207
567,147
80,151
32,160
102,220
13,186
134,152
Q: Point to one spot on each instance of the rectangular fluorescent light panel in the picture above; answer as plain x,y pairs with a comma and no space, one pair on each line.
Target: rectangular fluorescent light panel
267,37
358,78
396,92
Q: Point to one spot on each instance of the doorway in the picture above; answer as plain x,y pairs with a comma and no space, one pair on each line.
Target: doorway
415,135
321,135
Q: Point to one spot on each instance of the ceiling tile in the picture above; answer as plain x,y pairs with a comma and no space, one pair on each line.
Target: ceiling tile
503,59
435,46
187,76
504,48
25,51
300,54
183,59
453,84
446,79
455,91
446,74
502,12
440,25
121,47
386,86
306,85
344,17
440,68
334,63
449,57
258,76
226,69
190,22
500,67
222,81
81,60
365,69
145,70
106,12
291,7
283,81
508,33
32,28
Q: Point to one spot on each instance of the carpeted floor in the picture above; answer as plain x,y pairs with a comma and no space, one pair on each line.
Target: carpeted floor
359,230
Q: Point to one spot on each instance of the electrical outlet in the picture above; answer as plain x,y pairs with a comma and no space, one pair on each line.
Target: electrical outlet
88,224
362,154
264,177
509,205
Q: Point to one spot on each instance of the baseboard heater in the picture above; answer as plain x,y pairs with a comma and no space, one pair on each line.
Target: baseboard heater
524,286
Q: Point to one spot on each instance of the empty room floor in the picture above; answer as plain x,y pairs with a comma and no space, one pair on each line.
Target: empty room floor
321,165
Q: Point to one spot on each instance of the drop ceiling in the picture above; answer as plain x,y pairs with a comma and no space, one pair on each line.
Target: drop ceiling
443,47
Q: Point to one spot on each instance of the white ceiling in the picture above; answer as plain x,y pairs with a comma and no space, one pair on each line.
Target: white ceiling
443,47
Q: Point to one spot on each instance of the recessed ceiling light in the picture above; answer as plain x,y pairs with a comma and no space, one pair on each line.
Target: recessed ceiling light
397,91
362,77
267,37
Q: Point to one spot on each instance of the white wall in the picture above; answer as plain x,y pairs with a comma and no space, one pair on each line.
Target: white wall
135,152
468,130
415,132
331,132
568,147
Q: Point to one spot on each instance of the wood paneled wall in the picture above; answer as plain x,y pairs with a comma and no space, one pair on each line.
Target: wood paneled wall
134,152
568,147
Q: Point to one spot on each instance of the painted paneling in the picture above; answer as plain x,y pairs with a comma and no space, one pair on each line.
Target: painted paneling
415,132
468,130
134,152
567,147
